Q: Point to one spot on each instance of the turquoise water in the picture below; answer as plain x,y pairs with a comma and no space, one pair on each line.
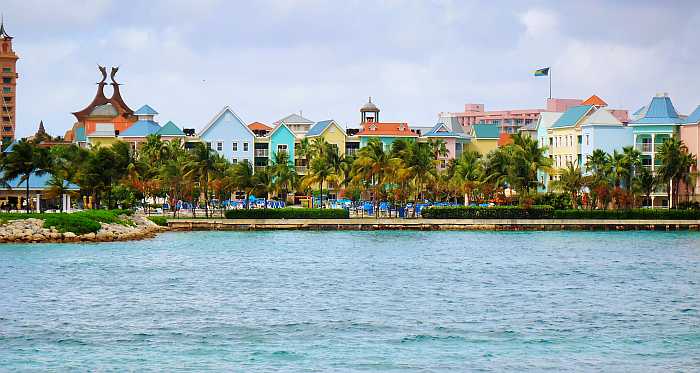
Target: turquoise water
355,301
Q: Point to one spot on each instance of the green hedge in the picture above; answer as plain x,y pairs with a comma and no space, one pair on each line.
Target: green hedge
659,214
495,212
160,220
76,223
288,213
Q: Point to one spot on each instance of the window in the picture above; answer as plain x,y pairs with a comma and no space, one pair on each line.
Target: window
7,80
6,90
282,148
235,146
234,160
208,145
551,141
245,146
7,69
219,146
587,143
7,128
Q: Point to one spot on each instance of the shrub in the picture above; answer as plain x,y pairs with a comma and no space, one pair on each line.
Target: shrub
76,223
660,214
160,220
288,213
560,201
495,212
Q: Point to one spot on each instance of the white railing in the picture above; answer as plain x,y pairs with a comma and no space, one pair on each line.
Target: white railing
261,152
644,147
301,169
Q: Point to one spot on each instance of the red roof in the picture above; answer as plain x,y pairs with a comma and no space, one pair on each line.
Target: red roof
257,126
386,129
595,101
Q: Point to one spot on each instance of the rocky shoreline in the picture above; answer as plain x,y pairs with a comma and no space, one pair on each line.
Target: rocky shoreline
33,231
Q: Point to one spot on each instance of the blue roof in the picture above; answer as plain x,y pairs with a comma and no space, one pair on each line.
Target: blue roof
145,110
660,111
694,117
141,128
80,134
441,130
486,131
572,116
319,127
36,182
170,129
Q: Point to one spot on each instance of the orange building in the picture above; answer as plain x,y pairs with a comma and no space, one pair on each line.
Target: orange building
8,64
103,117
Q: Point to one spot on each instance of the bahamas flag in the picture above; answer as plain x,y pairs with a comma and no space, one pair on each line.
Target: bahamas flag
542,72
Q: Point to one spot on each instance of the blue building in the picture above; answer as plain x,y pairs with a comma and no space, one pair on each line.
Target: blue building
282,139
229,136
605,132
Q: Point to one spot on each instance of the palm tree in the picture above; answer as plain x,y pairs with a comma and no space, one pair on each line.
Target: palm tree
533,157
320,169
23,161
468,173
203,162
283,174
675,165
645,182
633,160
374,167
66,162
571,181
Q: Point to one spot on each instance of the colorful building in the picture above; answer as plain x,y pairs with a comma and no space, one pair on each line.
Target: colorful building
386,132
603,131
282,139
565,136
170,131
8,64
508,121
690,135
331,132
454,138
544,123
655,123
484,138
145,125
229,136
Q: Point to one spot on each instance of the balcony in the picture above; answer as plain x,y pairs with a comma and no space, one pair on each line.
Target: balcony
644,147
301,169
351,152
262,152
259,168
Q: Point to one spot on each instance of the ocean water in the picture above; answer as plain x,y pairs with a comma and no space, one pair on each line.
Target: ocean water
355,301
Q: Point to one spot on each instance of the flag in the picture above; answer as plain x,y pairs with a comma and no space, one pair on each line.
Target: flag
542,72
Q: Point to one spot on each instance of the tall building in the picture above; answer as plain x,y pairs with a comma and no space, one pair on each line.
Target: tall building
8,63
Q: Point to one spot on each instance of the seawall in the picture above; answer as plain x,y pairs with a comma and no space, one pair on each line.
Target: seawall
431,224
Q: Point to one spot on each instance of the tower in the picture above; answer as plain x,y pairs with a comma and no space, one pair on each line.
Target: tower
8,96
369,112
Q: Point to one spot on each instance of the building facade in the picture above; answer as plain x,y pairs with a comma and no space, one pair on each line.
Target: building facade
603,131
229,136
8,64
690,135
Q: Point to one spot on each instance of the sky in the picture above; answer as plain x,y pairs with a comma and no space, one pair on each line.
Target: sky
267,59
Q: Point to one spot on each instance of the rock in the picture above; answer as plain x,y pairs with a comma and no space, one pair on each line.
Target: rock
69,235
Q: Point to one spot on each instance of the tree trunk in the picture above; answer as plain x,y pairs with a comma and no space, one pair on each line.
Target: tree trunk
320,197
28,196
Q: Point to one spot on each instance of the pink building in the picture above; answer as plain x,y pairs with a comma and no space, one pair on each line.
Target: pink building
690,135
508,120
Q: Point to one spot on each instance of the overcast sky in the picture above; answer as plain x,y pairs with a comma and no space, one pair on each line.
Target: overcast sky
267,59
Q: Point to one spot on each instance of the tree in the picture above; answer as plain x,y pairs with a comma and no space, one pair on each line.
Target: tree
468,173
532,159
675,166
66,163
202,163
25,160
645,182
571,181
374,168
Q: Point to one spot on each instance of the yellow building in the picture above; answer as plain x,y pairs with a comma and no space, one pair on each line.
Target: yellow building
565,137
484,138
331,132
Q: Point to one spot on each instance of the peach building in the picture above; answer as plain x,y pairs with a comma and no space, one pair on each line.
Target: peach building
509,121
690,135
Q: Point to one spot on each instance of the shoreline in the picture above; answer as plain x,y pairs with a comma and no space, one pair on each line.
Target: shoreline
32,230
431,224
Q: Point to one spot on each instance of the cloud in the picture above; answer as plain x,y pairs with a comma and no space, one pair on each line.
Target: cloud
539,23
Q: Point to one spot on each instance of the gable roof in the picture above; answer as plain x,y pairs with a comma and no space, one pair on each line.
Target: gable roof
295,118
601,116
594,100
145,110
386,129
257,126
277,127
318,128
486,131
694,117
659,111
442,130
170,129
572,116
141,128
219,115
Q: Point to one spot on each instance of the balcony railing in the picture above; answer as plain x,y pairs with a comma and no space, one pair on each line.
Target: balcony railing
261,152
644,147
301,169
259,168
351,152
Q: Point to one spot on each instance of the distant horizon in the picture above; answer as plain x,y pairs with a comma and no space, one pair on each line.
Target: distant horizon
269,59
